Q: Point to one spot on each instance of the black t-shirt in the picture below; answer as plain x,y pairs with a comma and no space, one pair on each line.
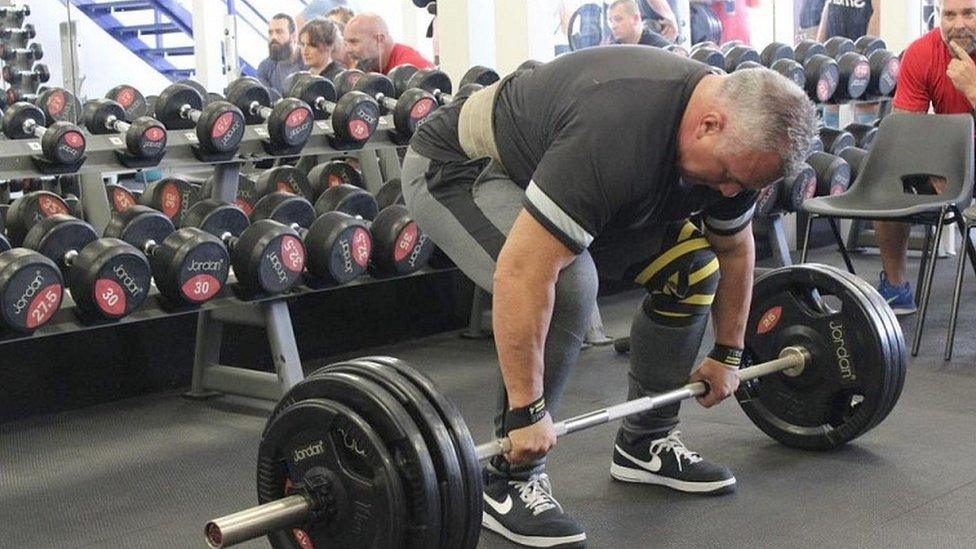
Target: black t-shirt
592,138
848,18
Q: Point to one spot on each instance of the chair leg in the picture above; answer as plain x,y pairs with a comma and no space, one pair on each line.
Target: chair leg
806,239
840,245
927,282
967,243
924,262
956,294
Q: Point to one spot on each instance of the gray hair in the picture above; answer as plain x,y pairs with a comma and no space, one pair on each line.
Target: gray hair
769,112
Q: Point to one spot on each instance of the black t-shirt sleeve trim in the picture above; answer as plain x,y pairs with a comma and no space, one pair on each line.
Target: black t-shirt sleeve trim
730,215
555,220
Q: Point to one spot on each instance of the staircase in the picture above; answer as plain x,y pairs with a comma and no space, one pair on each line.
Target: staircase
160,32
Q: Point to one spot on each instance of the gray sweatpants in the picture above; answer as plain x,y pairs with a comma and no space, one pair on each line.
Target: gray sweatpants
468,209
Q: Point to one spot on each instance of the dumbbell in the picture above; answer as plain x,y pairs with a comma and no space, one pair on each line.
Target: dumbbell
354,116
29,209
219,125
853,68
288,122
708,55
885,67
145,137
251,189
863,134
338,245
18,38
330,174
399,246
171,195
405,77
409,110
61,142
821,73
131,100
33,52
190,266
833,173
737,53
835,140
31,288
779,58
13,16
767,199
37,75
119,198
108,278
268,257
58,105
795,190
284,178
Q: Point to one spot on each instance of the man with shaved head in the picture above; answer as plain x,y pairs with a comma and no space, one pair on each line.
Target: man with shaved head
369,44
626,26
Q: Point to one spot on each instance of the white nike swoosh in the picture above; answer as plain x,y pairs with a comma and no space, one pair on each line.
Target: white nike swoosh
654,465
501,508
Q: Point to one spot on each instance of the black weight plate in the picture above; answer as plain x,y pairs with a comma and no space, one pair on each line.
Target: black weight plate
401,436
436,436
899,362
837,396
323,437
889,351
463,444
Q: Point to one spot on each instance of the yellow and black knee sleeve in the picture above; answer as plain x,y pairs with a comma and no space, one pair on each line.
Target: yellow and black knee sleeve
682,279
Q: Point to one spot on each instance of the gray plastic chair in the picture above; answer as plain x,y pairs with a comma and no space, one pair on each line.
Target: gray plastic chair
909,147
969,217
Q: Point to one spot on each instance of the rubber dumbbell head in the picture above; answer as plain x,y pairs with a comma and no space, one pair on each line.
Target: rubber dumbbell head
347,199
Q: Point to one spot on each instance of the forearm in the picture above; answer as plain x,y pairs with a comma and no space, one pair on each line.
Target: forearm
521,312
730,310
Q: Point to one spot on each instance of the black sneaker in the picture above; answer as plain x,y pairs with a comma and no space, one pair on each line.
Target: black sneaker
526,513
666,461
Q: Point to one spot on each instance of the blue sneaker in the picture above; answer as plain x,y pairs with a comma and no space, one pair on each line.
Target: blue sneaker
900,298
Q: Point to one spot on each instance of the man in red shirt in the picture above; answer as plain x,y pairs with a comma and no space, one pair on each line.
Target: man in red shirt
368,42
938,70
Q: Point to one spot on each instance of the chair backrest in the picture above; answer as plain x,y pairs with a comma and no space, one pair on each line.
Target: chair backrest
920,144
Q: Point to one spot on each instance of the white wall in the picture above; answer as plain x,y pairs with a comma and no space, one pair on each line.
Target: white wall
104,63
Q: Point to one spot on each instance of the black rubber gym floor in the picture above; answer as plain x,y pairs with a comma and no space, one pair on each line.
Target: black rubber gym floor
149,472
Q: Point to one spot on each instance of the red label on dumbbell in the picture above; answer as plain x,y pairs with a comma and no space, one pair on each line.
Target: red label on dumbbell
222,125
244,204
74,140
335,180
894,67
823,90
769,320
171,199
43,306
49,205
110,297
359,130
200,288
862,70
296,117
125,96
56,102
154,133
362,246
405,241
284,186
421,109
292,254
122,199
810,187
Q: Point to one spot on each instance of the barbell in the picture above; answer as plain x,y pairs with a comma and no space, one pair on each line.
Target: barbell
369,453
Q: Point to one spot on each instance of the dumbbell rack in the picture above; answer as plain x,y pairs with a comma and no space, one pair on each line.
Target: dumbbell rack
23,61
210,377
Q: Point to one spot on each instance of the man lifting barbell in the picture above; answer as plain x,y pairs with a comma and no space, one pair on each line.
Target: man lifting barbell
584,169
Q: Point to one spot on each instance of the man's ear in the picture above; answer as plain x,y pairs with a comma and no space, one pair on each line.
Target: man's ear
711,123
